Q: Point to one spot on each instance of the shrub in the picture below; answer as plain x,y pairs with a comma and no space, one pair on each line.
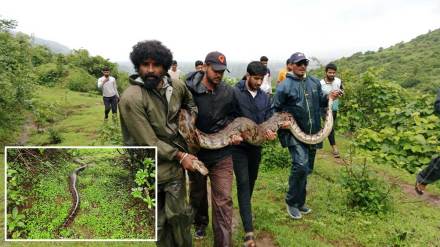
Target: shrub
49,74
79,80
274,155
365,192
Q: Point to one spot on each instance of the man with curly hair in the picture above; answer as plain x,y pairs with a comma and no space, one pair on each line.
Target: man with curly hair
149,110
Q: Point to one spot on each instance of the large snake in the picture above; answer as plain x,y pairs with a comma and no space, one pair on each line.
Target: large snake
75,195
248,130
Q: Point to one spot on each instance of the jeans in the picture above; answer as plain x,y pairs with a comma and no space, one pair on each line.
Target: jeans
431,173
246,163
110,103
303,160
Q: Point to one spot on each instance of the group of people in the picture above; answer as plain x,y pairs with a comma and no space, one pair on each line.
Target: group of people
149,115
149,111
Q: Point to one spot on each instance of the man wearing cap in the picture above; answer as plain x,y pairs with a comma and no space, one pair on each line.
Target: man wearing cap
149,111
301,96
217,107
110,93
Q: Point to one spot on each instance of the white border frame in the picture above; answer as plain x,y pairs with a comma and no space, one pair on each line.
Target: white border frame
76,240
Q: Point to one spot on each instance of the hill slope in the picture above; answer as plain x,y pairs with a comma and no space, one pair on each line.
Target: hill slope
412,64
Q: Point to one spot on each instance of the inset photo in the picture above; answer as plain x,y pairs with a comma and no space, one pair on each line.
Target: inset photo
80,193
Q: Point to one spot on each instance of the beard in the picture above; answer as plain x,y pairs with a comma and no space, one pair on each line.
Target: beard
150,81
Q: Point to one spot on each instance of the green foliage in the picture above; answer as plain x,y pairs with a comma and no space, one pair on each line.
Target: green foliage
145,183
41,55
231,81
15,80
413,64
49,74
275,156
109,133
7,25
93,65
397,126
78,79
365,192
54,136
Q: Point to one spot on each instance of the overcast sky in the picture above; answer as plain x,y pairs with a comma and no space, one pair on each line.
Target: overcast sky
242,30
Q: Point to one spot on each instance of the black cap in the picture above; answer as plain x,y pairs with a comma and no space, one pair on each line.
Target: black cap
217,60
297,57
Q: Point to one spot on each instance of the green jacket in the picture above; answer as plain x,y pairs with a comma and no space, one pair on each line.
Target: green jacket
151,117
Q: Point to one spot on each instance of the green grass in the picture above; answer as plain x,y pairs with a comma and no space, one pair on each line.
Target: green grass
411,222
107,209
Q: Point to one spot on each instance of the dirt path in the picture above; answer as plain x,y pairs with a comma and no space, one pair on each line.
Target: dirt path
408,189
28,126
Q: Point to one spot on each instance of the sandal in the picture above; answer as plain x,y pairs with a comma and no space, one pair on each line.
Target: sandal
249,240
418,189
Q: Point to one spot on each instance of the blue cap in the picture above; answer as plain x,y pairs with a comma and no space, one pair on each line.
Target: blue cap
297,56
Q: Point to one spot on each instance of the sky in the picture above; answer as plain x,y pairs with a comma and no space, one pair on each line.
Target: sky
243,30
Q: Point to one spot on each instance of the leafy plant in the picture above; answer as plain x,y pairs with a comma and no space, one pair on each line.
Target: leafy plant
365,192
144,180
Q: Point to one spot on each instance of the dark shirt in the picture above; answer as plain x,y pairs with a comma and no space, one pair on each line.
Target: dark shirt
216,109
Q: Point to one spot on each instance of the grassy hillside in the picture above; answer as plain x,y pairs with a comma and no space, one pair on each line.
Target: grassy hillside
411,220
414,64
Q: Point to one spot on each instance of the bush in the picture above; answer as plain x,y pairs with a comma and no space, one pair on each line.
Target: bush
49,74
365,192
54,136
274,155
79,80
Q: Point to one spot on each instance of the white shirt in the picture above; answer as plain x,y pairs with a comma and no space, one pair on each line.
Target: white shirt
266,85
328,87
175,75
109,89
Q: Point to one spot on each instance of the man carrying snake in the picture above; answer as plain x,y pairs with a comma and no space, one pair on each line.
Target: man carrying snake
302,96
217,107
254,104
149,110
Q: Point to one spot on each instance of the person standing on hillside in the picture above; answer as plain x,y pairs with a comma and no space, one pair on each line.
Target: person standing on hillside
149,111
110,93
301,96
330,83
283,72
217,107
267,81
174,72
432,172
253,104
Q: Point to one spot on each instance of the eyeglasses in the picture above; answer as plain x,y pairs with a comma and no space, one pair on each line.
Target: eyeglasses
302,62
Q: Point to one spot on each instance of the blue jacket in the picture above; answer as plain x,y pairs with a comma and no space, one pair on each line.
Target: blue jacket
302,98
257,109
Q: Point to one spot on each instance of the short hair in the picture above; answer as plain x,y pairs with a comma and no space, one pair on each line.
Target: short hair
264,59
288,61
151,49
198,62
105,68
174,62
256,68
331,66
